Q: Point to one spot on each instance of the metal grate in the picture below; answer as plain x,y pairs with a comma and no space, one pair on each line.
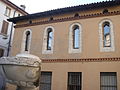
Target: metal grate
108,81
74,81
45,80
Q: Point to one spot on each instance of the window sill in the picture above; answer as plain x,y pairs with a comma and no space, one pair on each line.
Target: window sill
47,52
5,36
7,16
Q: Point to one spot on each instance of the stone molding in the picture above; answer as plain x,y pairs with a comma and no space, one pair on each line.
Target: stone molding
23,41
44,47
102,48
71,49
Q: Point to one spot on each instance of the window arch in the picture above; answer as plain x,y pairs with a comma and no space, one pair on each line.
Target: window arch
26,41
48,40
106,36
75,38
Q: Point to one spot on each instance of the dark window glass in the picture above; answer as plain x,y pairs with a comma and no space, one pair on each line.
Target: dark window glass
18,15
1,52
76,15
30,22
51,18
27,40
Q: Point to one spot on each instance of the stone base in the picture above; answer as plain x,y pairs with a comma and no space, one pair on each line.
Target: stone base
26,88
10,87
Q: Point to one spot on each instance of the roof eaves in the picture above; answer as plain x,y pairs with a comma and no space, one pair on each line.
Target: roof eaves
67,10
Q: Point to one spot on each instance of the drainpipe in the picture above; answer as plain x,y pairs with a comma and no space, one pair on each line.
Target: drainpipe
10,37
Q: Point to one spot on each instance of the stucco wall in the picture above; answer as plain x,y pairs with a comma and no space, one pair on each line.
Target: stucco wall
90,73
90,49
90,39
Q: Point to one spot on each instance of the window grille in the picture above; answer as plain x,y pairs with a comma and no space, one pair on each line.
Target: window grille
45,80
74,81
108,81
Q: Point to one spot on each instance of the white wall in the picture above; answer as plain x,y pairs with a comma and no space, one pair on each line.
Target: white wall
4,42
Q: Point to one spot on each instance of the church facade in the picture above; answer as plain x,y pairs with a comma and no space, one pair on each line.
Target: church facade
78,46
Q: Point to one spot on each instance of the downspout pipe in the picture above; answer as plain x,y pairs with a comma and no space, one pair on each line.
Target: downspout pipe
10,37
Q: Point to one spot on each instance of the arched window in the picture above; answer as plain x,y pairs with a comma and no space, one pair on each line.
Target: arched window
48,40
26,41
75,38
106,36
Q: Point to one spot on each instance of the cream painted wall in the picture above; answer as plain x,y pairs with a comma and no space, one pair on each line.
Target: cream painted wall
90,73
90,39
90,49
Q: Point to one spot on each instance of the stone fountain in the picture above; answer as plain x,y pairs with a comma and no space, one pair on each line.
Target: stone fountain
22,70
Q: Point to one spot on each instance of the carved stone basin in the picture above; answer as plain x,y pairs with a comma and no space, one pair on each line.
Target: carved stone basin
22,70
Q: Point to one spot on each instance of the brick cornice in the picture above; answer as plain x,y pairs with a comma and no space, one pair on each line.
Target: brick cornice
81,60
69,19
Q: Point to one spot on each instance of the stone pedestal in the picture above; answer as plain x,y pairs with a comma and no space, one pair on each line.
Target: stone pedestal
26,88
22,70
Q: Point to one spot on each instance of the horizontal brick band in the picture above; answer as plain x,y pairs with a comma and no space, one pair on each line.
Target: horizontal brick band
81,60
